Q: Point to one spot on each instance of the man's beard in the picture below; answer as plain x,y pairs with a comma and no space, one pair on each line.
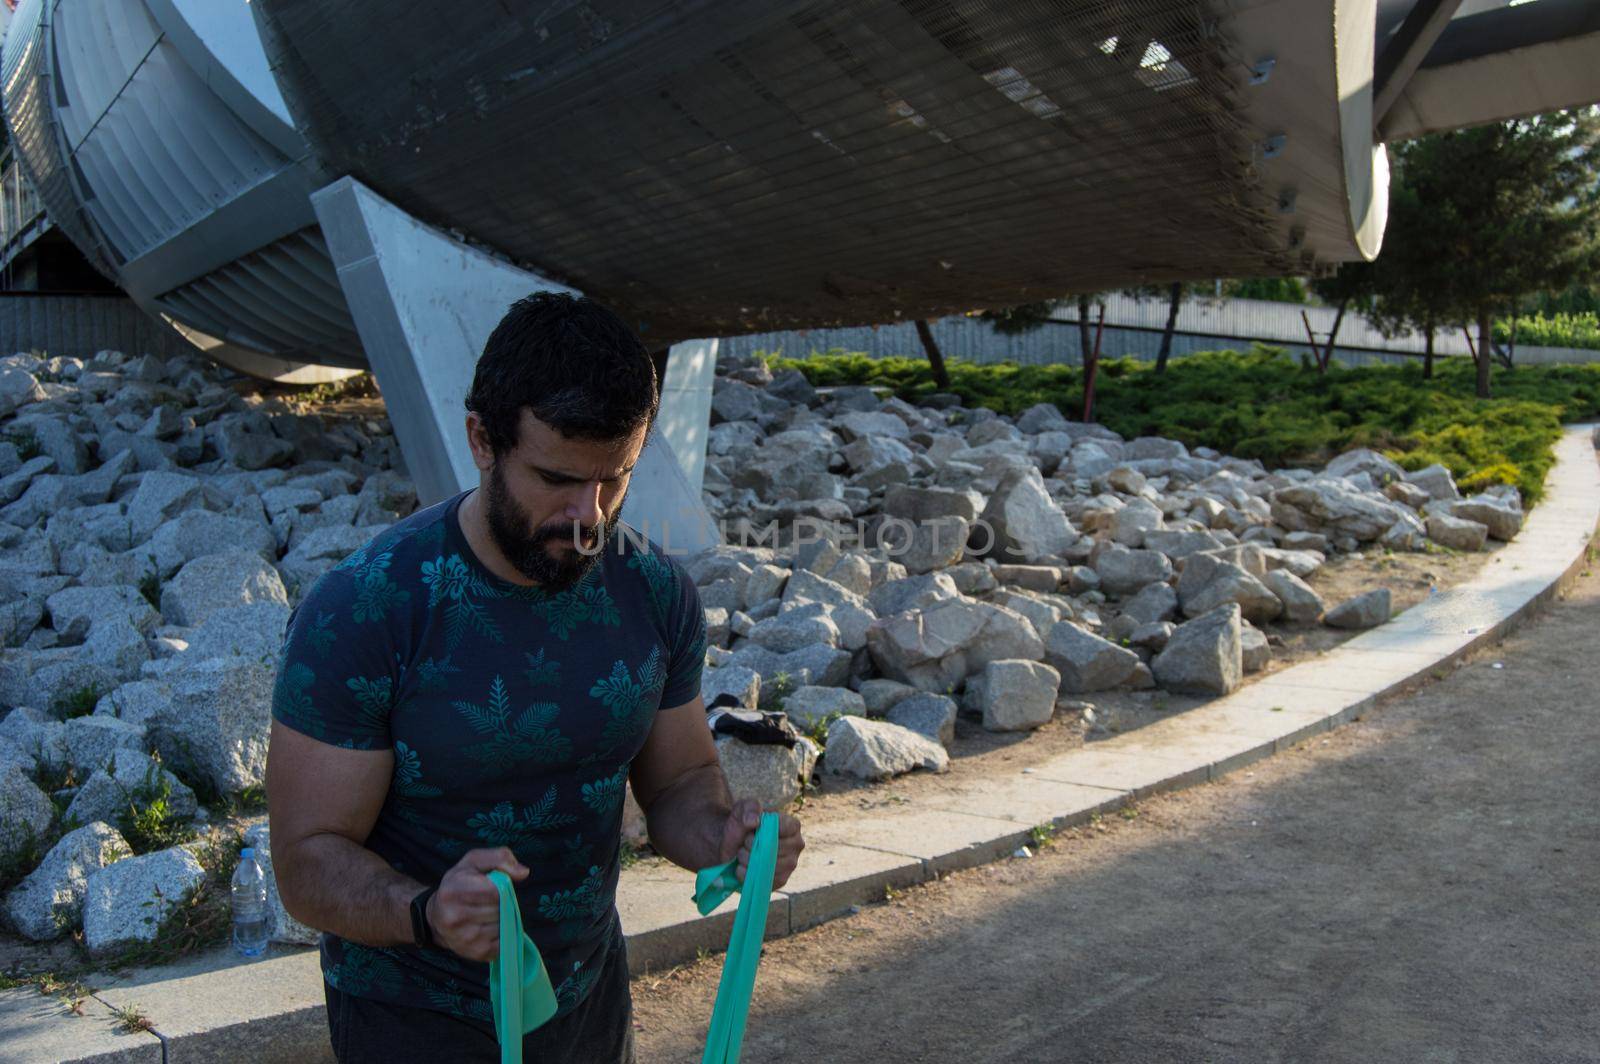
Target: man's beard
509,523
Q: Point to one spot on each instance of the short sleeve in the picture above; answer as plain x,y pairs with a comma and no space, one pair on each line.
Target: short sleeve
336,675
687,639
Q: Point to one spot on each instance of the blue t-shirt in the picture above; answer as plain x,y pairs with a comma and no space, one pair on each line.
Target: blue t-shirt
513,714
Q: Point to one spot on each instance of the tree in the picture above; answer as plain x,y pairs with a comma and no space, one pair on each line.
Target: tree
1013,321
1411,282
941,376
1580,298
1515,211
1174,301
1174,294
1349,286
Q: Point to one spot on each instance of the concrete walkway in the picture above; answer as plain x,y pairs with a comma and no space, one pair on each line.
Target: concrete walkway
1416,886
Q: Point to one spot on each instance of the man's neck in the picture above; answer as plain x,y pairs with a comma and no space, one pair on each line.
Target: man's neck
475,527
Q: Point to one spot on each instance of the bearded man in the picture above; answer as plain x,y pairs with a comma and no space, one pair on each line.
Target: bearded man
472,690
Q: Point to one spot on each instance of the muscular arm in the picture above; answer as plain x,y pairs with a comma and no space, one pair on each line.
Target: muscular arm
678,782
690,813
322,801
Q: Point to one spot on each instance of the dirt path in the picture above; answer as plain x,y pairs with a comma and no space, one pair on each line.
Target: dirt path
1417,886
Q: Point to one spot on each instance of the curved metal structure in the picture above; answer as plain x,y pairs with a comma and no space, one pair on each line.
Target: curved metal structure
156,137
725,167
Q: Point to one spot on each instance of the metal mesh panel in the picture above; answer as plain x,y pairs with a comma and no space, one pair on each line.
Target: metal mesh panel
737,166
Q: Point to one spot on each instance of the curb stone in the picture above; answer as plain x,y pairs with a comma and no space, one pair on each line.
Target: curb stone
34,1027
271,1009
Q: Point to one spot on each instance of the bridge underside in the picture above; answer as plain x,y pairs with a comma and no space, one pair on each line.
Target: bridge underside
756,165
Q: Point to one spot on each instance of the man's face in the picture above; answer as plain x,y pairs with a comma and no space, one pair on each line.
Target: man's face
551,502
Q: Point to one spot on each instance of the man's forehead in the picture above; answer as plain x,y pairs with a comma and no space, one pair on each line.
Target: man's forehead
578,459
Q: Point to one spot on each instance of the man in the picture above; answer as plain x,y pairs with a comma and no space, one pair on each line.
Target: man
470,691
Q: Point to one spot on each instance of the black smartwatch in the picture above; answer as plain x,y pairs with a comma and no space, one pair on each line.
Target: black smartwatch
421,931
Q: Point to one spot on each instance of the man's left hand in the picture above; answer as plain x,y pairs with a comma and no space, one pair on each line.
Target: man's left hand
739,834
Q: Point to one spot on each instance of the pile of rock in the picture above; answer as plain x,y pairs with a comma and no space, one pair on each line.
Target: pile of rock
156,526
895,564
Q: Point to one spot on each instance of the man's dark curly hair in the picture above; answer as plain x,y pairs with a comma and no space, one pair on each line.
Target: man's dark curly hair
573,362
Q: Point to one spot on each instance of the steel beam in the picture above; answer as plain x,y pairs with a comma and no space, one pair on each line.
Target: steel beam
1404,54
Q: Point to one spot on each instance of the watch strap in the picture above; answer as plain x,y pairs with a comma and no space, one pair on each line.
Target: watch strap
421,930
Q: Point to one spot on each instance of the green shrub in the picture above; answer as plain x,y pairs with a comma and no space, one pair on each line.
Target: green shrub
26,443
775,693
355,387
818,732
148,822
1275,289
79,702
1262,404
1557,330
25,857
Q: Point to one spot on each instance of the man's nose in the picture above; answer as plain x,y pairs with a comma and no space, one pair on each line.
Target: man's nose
584,508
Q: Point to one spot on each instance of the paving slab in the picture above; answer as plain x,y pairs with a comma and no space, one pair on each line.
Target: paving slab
1280,690
1028,799
1195,741
832,877
663,927
1365,672
1138,772
1264,717
942,839
219,1006
36,1028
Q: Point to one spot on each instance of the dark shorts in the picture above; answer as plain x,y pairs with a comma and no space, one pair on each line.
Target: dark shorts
598,1031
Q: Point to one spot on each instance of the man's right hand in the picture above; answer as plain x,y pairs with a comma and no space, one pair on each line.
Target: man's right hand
464,912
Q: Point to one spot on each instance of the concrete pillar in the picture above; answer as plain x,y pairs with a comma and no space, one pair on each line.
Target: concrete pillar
424,304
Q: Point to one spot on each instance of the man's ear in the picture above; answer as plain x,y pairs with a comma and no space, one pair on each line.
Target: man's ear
478,440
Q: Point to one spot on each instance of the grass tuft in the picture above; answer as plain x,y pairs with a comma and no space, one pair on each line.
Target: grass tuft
131,1020
24,858
79,702
149,822
818,732
26,443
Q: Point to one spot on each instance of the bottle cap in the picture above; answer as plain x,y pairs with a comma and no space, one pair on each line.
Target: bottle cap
248,851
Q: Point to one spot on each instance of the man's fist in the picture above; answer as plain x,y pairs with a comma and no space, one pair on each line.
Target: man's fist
739,834
464,912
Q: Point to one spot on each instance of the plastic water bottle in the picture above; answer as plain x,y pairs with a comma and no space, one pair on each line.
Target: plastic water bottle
249,905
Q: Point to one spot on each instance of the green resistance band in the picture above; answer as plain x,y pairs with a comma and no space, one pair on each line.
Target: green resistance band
712,888
519,986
